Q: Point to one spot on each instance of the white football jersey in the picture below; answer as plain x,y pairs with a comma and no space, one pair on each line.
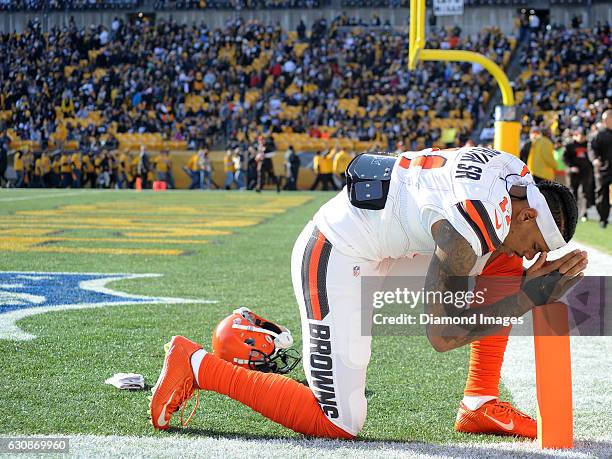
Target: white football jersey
467,186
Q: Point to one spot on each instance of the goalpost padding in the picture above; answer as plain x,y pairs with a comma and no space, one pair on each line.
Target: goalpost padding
553,376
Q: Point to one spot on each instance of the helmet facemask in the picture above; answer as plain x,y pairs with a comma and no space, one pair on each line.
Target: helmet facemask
284,358
282,361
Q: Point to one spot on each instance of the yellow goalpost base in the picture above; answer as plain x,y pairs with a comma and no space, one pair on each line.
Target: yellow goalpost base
507,136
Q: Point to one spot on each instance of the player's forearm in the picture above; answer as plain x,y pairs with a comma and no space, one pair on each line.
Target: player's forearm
467,329
449,272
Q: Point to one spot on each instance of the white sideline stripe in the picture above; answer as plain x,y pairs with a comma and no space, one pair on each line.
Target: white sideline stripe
174,445
48,195
591,370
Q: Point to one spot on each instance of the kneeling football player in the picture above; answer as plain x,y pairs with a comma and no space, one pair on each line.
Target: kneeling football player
443,214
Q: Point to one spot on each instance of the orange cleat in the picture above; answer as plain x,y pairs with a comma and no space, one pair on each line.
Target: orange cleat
497,418
176,383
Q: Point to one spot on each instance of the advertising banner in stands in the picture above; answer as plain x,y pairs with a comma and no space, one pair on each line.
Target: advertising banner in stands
447,7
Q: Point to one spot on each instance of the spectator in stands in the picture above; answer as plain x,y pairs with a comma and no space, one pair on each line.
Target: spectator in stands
523,24
341,161
560,168
601,147
66,170
4,146
316,161
163,169
77,165
205,170
534,22
89,171
580,170
576,21
143,167
301,30
229,169
433,22
123,166
239,168
292,168
323,167
45,165
56,176
103,168
37,182
28,168
192,169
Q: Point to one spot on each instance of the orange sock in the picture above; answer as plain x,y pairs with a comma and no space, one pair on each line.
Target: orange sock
277,397
487,354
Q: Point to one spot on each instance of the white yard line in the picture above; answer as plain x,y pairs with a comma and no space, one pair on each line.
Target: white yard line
591,370
172,445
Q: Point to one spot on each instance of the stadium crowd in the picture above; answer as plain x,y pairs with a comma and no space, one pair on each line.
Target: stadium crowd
82,5
563,93
66,5
564,70
198,87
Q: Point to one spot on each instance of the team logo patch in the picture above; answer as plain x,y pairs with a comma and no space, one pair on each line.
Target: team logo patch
23,294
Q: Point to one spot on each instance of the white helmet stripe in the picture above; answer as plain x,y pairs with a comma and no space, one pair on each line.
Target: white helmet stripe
284,340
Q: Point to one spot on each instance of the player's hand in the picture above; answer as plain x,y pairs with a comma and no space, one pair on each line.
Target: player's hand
548,281
571,264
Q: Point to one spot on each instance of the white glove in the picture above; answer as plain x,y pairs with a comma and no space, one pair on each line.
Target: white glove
126,381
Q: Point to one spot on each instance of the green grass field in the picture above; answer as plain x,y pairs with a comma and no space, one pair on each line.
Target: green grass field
590,233
55,383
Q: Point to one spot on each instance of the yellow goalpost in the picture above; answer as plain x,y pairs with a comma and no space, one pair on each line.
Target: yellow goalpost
507,125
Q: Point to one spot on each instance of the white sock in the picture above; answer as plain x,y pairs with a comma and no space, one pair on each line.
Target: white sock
473,402
196,360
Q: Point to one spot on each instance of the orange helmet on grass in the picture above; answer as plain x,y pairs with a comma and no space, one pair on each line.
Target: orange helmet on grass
250,341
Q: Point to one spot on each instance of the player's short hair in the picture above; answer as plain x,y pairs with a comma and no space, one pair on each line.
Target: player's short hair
562,205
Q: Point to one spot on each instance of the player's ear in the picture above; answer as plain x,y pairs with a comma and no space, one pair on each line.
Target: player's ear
527,214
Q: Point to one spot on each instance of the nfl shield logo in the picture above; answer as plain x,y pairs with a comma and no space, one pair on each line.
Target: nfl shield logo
23,294
356,271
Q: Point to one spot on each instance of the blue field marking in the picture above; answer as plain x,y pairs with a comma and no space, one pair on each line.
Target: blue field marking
24,294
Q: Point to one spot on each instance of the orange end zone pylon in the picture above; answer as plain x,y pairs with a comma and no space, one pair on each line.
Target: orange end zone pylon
553,376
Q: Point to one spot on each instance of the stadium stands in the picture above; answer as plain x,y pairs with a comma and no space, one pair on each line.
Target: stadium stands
88,5
67,5
565,77
342,83
180,86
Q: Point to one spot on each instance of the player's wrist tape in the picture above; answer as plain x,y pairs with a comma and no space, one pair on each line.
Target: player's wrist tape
540,289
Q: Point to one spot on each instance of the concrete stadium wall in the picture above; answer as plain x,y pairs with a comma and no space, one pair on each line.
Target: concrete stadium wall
471,21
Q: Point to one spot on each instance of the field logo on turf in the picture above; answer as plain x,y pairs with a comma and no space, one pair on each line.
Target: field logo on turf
23,294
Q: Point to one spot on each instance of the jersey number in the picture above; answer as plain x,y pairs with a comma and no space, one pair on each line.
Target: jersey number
423,161
468,171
